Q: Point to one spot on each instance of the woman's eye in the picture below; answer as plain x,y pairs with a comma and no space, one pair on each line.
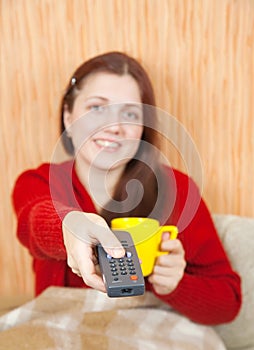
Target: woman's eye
131,115
96,108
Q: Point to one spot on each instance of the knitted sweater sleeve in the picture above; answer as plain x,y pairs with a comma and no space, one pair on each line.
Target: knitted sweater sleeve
209,292
39,217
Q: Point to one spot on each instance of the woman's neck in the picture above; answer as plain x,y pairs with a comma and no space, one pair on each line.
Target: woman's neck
99,183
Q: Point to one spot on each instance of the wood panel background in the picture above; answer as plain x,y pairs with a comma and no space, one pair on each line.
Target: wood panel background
199,54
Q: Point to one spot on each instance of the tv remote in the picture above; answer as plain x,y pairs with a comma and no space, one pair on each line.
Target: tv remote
123,276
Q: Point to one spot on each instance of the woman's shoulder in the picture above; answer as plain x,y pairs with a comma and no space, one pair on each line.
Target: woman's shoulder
47,170
179,179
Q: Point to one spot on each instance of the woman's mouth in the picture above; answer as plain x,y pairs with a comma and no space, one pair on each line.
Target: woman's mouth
108,144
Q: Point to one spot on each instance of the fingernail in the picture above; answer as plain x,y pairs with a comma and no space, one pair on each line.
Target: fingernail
117,252
165,236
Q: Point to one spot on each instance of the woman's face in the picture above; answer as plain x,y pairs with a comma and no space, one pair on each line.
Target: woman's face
106,122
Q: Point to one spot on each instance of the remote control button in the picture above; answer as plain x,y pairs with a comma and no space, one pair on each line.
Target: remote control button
115,273
128,254
134,278
114,269
109,257
116,279
130,264
123,273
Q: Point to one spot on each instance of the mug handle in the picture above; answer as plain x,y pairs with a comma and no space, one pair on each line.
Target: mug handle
173,230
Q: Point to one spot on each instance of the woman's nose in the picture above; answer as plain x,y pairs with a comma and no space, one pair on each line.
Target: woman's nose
113,128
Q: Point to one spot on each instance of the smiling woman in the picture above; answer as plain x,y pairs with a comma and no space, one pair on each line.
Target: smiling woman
109,126
105,130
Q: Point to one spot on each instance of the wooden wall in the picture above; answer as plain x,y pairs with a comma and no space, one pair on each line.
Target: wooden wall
199,54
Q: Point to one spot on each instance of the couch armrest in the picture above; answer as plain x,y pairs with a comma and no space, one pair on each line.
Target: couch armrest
237,235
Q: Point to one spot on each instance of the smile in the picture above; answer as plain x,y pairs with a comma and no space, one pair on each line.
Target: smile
107,144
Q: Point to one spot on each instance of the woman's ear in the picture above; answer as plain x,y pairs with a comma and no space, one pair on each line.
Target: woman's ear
67,119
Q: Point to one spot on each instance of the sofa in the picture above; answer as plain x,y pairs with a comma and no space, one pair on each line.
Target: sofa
63,317
237,235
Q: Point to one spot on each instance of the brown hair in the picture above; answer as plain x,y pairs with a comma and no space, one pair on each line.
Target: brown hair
144,167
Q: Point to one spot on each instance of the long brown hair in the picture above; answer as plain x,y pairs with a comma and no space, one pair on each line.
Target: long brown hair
144,167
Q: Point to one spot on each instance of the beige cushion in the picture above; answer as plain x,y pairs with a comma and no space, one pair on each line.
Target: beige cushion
237,235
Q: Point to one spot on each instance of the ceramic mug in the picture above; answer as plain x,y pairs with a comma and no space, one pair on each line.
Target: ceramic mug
146,234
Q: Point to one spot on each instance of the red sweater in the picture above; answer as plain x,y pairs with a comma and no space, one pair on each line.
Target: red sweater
209,291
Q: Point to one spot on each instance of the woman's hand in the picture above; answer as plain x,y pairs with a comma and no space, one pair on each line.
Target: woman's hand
169,269
81,233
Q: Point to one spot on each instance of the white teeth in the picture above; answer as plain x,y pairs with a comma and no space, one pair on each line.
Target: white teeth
105,143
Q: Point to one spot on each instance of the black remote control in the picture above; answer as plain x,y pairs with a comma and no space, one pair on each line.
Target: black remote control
123,277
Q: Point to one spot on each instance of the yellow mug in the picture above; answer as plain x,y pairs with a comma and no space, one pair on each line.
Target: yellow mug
146,234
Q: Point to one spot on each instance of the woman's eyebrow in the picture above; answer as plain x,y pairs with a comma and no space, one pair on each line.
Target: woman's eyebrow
97,97
137,105
127,104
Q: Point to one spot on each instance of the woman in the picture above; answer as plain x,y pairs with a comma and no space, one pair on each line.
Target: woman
108,123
